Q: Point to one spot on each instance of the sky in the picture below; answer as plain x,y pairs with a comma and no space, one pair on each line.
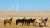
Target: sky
25,5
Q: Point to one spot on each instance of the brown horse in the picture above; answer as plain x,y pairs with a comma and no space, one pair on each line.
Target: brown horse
8,21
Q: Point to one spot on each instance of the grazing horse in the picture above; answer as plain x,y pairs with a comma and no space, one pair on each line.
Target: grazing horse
44,20
7,21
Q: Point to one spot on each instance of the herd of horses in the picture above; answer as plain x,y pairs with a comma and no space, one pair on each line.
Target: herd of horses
28,20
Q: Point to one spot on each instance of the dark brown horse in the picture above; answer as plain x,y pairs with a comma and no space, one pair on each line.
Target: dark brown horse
25,21
29,21
20,21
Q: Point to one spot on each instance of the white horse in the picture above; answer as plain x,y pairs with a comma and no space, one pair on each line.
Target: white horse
44,20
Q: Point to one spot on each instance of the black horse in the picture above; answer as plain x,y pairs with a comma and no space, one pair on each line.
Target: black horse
20,21
25,21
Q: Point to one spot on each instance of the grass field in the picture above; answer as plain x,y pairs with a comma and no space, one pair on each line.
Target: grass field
18,26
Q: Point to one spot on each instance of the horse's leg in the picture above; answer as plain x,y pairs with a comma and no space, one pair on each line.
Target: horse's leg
25,22
9,22
45,24
22,23
40,25
5,23
28,23
16,23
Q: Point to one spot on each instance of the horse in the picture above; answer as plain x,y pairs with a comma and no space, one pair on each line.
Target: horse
20,20
44,20
8,21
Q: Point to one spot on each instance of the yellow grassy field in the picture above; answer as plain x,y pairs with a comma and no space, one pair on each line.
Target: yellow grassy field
13,25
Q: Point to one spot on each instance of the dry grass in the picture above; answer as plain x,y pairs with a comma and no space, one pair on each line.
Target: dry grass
16,26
